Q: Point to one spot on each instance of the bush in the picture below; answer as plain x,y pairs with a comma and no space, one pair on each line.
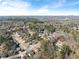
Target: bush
65,51
2,39
45,54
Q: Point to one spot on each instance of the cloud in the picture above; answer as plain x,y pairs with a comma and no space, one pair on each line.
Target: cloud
72,4
58,4
14,4
42,10
15,7
48,9
0,0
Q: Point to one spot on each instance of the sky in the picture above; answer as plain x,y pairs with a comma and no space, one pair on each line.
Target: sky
38,7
